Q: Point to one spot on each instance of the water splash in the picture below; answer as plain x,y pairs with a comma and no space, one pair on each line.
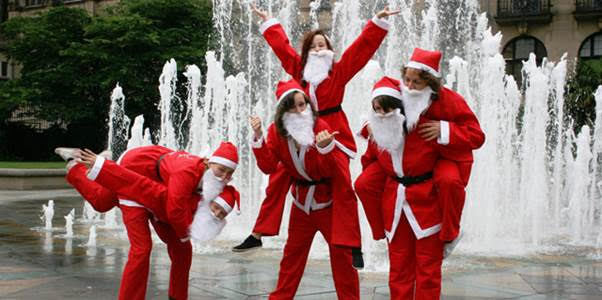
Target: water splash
48,214
69,223
92,237
119,123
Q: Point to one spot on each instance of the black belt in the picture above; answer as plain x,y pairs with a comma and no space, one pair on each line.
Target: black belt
158,165
411,180
329,111
310,183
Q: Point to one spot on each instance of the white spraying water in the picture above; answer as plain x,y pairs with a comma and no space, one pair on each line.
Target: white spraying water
111,219
89,215
48,214
69,223
92,237
521,199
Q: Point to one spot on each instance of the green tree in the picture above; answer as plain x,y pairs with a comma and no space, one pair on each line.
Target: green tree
580,104
71,61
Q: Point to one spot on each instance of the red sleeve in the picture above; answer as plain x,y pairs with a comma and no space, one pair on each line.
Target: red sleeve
371,154
359,52
464,130
182,183
265,155
328,155
278,41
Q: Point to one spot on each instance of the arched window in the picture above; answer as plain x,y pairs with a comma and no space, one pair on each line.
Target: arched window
591,48
518,50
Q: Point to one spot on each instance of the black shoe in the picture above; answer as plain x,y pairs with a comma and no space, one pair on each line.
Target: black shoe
357,258
250,243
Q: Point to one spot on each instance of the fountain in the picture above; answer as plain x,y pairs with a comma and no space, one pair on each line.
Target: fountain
534,206
48,214
69,223
92,237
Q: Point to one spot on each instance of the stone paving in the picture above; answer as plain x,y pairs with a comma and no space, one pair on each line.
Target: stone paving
35,264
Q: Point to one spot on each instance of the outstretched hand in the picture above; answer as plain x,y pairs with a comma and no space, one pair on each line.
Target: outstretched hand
387,12
324,138
87,157
260,13
256,126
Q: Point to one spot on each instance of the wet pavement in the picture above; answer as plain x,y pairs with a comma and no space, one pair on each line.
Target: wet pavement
39,264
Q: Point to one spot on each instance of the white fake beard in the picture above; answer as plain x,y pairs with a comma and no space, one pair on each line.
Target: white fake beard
414,104
387,129
300,126
317,66
205,226
211,185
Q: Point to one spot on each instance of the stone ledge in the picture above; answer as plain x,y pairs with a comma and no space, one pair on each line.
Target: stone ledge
33,179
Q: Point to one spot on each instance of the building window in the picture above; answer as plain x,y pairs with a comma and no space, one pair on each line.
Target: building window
35,2
3,69
518,50
591,48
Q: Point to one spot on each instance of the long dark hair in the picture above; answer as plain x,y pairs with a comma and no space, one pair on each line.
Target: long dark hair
308,38
388,103
431,81
283,106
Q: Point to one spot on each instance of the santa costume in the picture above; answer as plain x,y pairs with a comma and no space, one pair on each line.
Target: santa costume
410,211
460,135
313,173
326,89
161,187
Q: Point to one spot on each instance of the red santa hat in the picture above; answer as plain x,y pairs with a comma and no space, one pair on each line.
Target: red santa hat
225,155
426,60
387,86
228,198
284,88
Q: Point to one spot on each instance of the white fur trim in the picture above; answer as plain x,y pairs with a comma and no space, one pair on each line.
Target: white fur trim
312,96
419,232
326,149
267,24
256,144
223,161
346,150
129,203
93,173
443,138
421,66
382,23
387,91
222,202
290,91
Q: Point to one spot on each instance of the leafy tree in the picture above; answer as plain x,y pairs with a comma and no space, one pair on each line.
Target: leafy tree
71,61
580,103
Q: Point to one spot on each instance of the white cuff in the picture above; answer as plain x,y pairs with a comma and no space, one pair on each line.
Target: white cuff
93,173
326,149
186,239
382,23
256,144
267,24
443,138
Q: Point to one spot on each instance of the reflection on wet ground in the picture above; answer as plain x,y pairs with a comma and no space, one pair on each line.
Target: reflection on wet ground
39,264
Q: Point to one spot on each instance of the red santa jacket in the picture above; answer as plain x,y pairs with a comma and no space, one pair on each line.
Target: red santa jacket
180,171
309,164
328,95
463,133
418,202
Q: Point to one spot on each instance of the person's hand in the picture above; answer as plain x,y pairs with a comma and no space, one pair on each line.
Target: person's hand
387,12
369,129
256,126
87,157
324,138
430,130
260,13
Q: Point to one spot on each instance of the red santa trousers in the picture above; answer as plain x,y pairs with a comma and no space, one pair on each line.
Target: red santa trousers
451,179
301,232
369,187
415,265
345,226
101,199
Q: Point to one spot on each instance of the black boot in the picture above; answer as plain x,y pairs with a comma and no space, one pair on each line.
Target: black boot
250,243
357,258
